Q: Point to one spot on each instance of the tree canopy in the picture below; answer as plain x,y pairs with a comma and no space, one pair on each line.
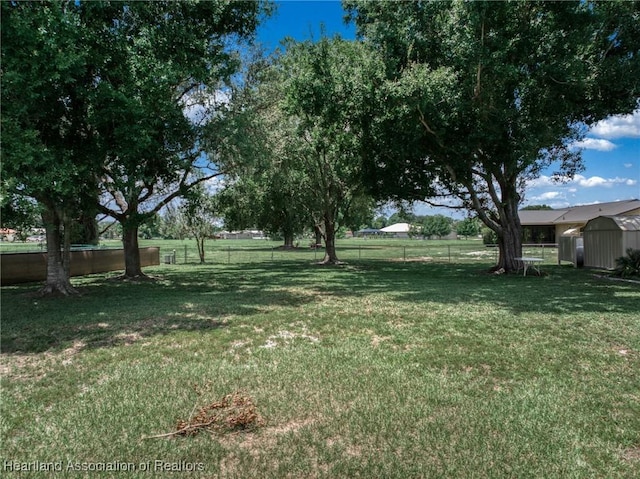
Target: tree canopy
118,105
47,141
481,96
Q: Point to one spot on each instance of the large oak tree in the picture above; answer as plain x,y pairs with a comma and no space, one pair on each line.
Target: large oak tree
47,142
481,96
164,105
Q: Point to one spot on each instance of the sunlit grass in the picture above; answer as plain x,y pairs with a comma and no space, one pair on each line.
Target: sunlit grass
372,369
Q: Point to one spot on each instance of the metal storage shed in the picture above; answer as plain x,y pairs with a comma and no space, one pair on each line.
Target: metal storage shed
608,237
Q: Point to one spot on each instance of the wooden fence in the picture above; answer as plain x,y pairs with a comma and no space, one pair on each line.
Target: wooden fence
27,267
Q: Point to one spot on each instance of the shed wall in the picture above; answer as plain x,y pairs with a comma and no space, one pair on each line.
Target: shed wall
630,239
601,248
605,240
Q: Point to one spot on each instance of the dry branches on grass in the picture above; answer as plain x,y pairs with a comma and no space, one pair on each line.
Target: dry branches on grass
234,412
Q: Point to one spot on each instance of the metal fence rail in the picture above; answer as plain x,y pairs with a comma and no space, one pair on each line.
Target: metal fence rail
453,253
230,251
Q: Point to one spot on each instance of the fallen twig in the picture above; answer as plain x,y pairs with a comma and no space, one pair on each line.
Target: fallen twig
233,412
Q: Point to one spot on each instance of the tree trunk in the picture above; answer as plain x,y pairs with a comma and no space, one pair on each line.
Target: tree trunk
131,252
510,238
200,241
288,240
330,256
58,256
318,232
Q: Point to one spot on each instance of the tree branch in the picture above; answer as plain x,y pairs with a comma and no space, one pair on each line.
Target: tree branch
428,128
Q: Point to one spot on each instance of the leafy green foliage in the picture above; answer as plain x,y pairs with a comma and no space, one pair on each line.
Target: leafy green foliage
482,95
468,227
312,99
199,217
629,265
437,225
48,143
537,208
19,213
125,101
489,236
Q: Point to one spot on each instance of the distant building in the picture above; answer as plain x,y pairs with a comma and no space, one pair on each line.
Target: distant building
7,234
398,230
244,234
365,232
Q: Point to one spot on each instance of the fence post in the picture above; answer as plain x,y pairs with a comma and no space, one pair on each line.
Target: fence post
449,250
359,252
228,254
404,253
185,254
272,253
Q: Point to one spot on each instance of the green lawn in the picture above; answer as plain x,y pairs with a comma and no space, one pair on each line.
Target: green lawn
252,251
374,369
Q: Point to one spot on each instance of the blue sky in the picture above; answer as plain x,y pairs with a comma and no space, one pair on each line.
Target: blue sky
611,151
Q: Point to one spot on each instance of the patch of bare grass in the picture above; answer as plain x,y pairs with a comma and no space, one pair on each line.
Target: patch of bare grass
631,454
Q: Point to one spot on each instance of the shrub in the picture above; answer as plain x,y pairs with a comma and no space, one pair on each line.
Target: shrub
489,236
629,265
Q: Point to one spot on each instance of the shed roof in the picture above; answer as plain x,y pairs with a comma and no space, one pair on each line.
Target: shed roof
623,223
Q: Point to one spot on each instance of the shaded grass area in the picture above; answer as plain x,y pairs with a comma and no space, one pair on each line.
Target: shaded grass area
372,369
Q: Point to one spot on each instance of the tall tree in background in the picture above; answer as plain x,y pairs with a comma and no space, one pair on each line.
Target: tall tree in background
198,212
483,95
436,225
327,88
271,191
468,227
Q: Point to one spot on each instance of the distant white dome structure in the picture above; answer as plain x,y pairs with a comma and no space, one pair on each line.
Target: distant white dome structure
401,230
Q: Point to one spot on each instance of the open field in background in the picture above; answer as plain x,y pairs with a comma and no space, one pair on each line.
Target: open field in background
257,251
377,368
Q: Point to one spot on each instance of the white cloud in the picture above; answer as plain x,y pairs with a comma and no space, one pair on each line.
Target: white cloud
594,181
549,195
620,126
628,165
595,144
544,181
579,180
558,205
591,182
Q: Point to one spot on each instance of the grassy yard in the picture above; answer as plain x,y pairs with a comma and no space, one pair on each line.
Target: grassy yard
259,251
375,369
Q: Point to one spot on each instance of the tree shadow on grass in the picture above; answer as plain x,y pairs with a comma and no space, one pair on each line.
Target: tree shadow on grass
110,313
560,289
201,298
